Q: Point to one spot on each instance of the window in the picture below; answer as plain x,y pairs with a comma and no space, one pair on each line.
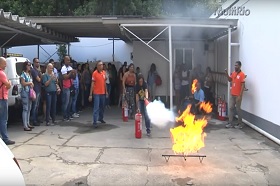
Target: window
184,56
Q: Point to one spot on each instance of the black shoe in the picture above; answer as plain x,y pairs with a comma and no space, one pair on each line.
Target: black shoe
31,127
10,142
102,121
94,125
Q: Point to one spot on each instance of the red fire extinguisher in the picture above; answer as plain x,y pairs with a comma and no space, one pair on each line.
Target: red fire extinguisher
125,114
124,110
222,109
138,125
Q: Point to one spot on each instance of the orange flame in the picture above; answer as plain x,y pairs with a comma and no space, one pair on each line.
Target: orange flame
189,137
206,107
194,85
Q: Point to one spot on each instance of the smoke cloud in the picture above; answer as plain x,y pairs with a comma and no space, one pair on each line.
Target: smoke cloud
159,115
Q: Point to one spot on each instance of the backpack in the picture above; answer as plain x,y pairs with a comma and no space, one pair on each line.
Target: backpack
158,80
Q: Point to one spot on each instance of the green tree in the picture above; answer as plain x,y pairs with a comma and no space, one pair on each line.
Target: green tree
61,51
120,7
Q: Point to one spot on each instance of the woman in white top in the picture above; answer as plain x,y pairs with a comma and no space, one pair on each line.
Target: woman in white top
108,86
185,86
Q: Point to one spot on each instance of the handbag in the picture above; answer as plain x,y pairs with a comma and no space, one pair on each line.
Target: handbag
32,94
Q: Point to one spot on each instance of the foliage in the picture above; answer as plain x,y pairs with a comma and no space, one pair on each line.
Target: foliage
167,8
61,51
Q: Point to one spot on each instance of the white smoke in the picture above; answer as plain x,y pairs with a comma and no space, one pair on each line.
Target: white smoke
159,115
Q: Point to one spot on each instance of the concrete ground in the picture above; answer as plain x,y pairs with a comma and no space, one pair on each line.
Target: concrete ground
75,153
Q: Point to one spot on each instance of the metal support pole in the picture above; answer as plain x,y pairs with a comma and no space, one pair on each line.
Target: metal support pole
146,43
68,50
44,50
229,65
113,49
157,35
170,67
38,51
8,40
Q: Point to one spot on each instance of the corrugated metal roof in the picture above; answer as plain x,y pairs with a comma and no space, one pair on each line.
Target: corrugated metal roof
109,27
30,32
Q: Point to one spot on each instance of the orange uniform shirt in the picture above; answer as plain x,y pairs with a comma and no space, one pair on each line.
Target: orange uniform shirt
99,79
3,90
237,80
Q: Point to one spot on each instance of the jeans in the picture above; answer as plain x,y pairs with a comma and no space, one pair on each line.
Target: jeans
4,119
66,102
74,102
108,102
51,105
26,108
98,107
143,111
235,103
35,107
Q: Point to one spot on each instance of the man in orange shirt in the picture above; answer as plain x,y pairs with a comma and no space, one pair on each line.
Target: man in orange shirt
99,91
5,85
237,79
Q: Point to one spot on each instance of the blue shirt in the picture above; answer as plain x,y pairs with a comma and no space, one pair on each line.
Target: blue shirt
199,95
52,85
76,82
26,78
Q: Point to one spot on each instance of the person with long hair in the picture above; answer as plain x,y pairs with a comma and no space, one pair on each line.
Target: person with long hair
129,82
50,81
27,84
151,80
121,73
141,90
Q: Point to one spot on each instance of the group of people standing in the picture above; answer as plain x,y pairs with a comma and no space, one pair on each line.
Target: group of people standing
183,79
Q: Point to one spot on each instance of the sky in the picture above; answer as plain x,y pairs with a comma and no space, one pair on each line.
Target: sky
88,49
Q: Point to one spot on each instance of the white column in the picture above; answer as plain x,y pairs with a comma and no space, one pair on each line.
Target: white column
229,64
170,67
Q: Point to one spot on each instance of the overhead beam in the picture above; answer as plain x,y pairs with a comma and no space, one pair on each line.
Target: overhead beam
176,25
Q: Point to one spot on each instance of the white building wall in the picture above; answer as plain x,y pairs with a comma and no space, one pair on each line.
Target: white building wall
258,35
143,57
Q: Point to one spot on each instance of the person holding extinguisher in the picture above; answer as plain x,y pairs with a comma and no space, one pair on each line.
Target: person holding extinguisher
237,79
141,90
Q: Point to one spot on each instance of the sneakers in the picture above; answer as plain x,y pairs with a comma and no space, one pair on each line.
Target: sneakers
238,126
229,125
75,115
94,125
66,119
9,142
102,121
49,124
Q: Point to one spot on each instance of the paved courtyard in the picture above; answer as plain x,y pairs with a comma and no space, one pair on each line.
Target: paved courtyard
75,153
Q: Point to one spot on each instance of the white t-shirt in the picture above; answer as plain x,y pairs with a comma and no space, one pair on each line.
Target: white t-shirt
185,74
107,77
66,82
